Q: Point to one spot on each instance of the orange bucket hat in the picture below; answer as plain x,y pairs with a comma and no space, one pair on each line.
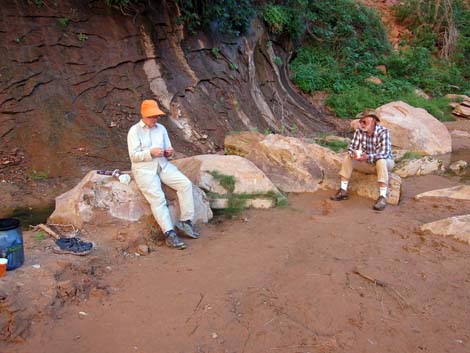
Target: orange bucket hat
150,107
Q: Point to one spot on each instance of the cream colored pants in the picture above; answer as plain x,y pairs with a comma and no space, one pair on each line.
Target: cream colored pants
151,188
382,167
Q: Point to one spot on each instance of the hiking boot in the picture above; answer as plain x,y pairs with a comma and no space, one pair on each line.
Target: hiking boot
173,241
186,228
340,195
380,204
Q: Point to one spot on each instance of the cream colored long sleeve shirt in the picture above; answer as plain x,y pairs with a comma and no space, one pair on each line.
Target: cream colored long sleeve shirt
140,139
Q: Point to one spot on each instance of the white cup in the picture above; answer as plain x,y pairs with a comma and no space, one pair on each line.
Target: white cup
125,179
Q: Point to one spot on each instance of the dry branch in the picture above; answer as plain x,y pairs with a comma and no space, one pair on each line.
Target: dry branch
48,230
400,299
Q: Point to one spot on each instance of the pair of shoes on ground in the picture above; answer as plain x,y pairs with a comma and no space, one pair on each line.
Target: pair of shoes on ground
185,228
73,246
341,195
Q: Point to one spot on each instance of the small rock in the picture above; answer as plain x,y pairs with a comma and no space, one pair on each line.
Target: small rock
374,80
422,94
82,314
214,335
458,166
143,249
66,289
98,293
36,266
382,68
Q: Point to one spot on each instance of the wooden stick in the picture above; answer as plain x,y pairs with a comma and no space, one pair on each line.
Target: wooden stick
400,299
48,231
373,280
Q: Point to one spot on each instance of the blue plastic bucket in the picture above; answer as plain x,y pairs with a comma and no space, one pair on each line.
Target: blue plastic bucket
11,242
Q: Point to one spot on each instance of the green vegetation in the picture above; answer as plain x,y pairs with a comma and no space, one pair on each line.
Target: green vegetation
226,181
63,22
82,37
277,60
39,175
230,17
342,43
411,155
40,236
216,53
334,145
118,2
237,202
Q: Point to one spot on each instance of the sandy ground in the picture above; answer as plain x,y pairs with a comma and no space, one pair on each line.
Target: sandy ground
317,276
298,279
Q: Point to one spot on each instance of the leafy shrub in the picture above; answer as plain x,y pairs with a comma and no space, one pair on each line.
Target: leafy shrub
439,26
346,52
276,17
422,69
226,16
336,26
348,103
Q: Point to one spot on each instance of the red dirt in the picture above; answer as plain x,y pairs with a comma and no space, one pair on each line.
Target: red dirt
285,280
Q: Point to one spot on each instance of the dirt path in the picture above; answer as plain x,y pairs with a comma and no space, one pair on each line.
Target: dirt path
286,280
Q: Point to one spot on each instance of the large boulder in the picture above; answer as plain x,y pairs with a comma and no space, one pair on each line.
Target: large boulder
457,227
299,166
414,129
291,164
229,177
365,185
103,200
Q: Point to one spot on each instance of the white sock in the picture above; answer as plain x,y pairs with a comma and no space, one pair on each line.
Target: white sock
344,185
383,192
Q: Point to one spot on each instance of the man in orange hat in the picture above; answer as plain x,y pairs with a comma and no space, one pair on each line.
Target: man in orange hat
370,151
149,147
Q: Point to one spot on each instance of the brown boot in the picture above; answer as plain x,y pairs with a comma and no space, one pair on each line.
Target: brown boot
380,204
340,195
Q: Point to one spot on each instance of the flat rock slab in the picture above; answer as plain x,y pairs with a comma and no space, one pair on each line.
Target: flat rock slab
459,192
457,227
417,167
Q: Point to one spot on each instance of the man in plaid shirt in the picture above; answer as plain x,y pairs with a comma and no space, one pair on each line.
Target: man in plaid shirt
369,151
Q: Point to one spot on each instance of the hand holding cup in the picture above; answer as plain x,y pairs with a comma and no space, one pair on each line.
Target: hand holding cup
357,154
168,152
156,152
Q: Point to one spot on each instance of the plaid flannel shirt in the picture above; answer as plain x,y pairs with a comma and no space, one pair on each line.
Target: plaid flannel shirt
378,146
